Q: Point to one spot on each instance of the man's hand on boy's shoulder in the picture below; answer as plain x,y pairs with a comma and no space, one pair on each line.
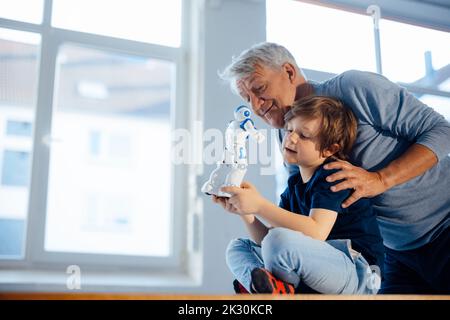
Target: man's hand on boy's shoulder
365,184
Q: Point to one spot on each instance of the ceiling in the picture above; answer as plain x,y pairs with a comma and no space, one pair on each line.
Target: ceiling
441,3
428,13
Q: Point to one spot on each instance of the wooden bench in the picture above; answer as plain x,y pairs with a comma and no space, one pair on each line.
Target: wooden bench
140,296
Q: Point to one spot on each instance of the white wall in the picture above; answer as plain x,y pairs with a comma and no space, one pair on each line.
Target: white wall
230,27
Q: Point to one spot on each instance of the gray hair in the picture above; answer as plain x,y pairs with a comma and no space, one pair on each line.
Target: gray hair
266,54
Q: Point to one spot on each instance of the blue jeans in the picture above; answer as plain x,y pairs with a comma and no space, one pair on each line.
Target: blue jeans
330,267
424,270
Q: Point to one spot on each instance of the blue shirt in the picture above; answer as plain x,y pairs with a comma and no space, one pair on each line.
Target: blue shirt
357,222
390,120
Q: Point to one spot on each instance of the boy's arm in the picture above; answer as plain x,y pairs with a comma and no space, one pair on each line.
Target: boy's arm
317,225
247,201
256,229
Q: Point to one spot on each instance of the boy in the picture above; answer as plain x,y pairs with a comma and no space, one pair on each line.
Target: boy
313,243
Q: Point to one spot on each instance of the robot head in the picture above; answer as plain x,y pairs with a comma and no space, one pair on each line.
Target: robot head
241,113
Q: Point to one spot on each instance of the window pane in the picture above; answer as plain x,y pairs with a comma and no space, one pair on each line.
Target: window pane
18,83
321,38
109,181
18,128
152,21
14,10
439,104
423,61
16,168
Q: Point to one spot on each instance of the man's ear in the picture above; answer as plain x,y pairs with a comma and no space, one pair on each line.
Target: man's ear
333,149
290,70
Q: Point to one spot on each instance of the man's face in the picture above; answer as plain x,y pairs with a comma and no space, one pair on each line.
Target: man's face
270,93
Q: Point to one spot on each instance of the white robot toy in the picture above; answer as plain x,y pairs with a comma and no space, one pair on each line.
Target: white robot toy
231,171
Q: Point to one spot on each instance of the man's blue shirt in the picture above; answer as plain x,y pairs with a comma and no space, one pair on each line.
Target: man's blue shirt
390,120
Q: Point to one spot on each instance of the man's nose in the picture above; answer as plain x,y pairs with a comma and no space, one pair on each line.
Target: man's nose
257,104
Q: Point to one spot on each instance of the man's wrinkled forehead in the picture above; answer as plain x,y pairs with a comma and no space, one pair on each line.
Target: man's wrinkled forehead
258,71
244,85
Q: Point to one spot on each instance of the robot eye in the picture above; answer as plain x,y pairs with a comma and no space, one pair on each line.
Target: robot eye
246,113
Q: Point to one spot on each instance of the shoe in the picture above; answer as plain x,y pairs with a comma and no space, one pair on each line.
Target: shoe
264,282
239,288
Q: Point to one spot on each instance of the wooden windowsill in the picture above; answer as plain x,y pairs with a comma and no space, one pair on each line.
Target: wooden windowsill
137,296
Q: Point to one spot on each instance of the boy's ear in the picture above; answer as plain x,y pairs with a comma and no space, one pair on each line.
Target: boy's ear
333,149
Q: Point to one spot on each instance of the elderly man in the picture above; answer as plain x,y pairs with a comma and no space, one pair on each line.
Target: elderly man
402,144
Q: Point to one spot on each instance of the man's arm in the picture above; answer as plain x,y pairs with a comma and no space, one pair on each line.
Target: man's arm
383,104
414,162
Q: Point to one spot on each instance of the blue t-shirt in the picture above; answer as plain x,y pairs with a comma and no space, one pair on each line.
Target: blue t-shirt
390,120
357,222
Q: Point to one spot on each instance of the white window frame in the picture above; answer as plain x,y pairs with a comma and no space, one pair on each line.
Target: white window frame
359,7
182,116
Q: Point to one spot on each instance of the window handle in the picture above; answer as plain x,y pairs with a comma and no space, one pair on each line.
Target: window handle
48,140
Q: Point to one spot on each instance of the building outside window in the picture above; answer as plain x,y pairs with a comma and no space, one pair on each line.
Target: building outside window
88,100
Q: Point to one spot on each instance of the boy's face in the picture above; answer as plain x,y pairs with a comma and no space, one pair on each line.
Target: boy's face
301,143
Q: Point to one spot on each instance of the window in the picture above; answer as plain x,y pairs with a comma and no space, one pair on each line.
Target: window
153,21
416,62
438,103
18,128
320,38
13,9
422,65
19,53
112,161
329,41
99,96
16,168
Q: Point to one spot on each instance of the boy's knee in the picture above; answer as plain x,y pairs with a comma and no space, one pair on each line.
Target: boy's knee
277,238
238,244
279,242
236,248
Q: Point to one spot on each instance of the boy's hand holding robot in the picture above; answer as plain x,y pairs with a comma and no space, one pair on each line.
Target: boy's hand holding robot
231,171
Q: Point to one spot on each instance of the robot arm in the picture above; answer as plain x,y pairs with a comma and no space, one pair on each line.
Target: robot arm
257,135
